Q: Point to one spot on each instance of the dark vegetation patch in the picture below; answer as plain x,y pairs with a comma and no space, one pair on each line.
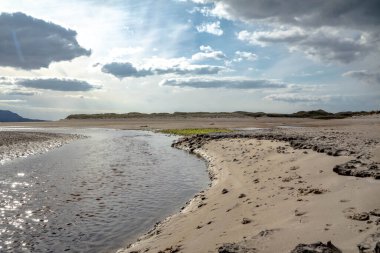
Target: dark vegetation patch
317,114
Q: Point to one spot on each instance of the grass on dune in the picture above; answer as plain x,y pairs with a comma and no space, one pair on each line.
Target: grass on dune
193,131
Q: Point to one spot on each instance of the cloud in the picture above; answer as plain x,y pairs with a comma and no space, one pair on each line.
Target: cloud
352,13
56,84
125,69
262,38
325,44
158,66
226,83
212,28
31,43
364,76
12,101
247,56
208,52
21,93
296,98
339,31
80,97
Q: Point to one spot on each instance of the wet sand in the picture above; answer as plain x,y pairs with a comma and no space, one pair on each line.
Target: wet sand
15,144
181,122
275,189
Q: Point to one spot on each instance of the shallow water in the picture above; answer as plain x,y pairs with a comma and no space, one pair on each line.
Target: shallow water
95,194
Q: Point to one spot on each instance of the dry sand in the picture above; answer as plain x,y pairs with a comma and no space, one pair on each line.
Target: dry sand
267,196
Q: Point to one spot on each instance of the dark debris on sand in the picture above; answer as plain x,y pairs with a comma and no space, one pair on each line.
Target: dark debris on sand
318,247
235,248
330,142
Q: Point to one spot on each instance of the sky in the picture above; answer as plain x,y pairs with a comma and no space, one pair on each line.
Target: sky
97,56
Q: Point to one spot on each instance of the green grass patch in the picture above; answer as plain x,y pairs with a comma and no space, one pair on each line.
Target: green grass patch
193,131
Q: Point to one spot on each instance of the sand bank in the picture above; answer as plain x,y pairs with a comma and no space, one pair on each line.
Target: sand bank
273,190
15,144
193,122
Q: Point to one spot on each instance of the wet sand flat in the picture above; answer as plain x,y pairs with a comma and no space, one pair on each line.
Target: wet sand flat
14,144
191,122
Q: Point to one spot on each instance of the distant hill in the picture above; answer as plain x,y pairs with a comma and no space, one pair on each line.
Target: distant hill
8,116
317,114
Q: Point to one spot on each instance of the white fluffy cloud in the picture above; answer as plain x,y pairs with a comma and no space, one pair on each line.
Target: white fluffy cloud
208,52
212,28
263,38
245,56
325,44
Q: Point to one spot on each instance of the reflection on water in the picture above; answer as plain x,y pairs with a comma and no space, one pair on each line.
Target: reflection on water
96,194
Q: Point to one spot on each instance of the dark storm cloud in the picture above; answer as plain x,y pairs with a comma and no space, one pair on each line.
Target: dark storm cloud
56,84
364,76
30,43
330,30
226,83
357,13
127,69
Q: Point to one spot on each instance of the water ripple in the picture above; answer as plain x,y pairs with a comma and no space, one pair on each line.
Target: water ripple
96,194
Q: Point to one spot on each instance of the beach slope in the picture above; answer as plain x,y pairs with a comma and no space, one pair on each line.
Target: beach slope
274,190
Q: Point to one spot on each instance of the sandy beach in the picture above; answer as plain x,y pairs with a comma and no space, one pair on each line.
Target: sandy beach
275,189
291,187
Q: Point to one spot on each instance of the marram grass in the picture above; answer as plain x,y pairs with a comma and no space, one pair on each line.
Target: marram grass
193,131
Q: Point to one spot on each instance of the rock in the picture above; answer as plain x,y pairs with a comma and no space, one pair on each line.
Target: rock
266,232
377,247
358,168
375,212
299,213
246,221
224,191
359,216
318,247
171,249
371,244
242,195
201,204
235,248
306,191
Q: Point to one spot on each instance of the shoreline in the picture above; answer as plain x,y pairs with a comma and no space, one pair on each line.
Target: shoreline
165,236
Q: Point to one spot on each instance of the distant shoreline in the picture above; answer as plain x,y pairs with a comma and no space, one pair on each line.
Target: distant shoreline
317,114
